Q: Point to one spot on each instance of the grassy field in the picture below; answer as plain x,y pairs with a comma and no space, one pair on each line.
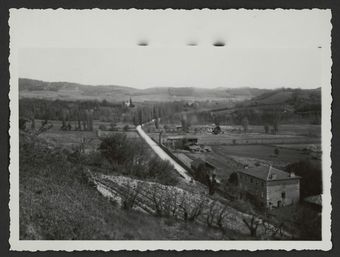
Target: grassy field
265,152
293,129
288,134
70,139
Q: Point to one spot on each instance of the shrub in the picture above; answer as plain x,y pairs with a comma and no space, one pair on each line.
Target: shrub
163,171
102,127
116,148
130,196
233,179
311,182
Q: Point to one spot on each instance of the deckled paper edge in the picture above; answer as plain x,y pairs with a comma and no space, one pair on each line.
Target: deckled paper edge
116,245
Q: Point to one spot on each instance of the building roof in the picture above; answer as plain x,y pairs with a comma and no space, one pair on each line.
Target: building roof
197,162
268,173
181,137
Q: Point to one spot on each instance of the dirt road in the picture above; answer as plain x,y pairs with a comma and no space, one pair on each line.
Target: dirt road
162,154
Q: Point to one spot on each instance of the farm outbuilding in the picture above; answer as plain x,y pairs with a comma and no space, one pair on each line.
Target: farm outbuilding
271,187
180,142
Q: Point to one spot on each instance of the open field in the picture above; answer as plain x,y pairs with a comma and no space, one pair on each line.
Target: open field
71,138
232,138
265,152
302,147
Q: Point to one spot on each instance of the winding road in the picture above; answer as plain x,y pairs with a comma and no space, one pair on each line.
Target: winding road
162,154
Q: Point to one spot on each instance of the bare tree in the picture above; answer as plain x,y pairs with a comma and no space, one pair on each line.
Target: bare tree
191,212
266,128
272,231
220,218
211,214
173,203
83,143
245,124
130,196
196,210
184,206
157,198
252,225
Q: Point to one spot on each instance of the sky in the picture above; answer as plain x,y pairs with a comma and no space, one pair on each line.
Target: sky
264,49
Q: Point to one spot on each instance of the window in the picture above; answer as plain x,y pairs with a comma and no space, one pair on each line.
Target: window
251,180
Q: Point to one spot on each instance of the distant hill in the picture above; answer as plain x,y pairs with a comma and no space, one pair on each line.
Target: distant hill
299,101
289,96
29,88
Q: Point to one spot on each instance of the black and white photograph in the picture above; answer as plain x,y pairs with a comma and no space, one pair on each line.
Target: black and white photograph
170,129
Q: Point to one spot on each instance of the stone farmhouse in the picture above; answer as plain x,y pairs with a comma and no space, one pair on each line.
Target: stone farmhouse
269,186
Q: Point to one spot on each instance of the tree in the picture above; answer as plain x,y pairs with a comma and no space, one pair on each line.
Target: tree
22,123
157,123
33,123
276,126
245,124
252,225
212,184
222,213
78,120
140,116
311,182
130,196
117,149
233,179
217,130
131,105
211,214
185,123
90,119
266,128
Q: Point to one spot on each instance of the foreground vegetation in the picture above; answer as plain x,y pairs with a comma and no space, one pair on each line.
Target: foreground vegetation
56,202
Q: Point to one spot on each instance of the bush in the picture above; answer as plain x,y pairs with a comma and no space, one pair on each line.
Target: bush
134,160
163,171
311,182
102,127
233,179
116,148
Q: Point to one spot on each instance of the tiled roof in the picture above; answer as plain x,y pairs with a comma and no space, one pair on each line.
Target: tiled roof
267,173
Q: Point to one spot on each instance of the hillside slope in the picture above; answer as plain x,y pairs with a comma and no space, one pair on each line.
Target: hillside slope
58,203
29,88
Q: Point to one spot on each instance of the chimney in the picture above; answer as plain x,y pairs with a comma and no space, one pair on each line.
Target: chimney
271,175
